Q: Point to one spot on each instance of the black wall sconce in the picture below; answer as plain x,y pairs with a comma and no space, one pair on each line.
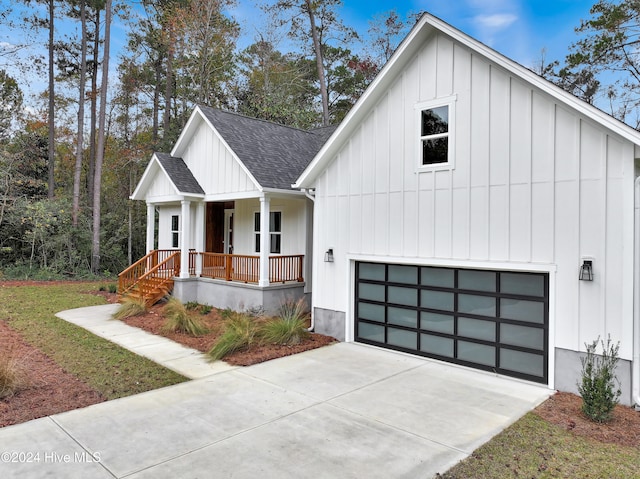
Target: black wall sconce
586,270
328,256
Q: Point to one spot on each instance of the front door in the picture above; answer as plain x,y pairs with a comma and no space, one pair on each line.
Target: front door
214,228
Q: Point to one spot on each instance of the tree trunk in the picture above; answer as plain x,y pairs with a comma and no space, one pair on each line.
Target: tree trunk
168,94
94,110
95,250
319,65
80,144
156,104
52,130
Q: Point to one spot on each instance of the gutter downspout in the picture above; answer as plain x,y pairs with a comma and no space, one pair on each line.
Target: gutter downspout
635,365
310,193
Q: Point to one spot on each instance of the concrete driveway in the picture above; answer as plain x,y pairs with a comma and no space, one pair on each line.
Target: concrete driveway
343,411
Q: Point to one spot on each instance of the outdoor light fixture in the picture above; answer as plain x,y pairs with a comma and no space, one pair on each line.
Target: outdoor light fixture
586,270
328,256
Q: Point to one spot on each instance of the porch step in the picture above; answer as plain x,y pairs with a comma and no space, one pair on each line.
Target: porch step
150,278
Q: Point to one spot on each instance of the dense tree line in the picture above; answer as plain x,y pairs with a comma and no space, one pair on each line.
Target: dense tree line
69,163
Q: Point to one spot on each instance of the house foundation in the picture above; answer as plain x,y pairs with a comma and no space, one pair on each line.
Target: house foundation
238,296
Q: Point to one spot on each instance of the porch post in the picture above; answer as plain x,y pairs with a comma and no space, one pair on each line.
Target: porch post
185,227
265,241
151,221
199,242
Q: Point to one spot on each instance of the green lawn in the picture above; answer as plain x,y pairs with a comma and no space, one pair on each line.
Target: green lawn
534,449
113,371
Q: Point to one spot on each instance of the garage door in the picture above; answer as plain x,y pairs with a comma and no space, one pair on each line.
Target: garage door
491,320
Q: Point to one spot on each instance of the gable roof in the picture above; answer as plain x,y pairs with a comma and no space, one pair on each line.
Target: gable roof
175,170
275,155
179,174
426,27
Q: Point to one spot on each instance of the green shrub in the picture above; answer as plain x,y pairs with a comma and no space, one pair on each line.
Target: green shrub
179,319
112,288
191,305
240,332
205,309
293,310
289,327
284,331
102,287
598,384
130,306
12,375
227,313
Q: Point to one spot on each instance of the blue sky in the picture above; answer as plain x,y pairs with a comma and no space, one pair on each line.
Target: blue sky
519,29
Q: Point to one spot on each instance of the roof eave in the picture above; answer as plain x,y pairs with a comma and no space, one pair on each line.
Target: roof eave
145,180
426,26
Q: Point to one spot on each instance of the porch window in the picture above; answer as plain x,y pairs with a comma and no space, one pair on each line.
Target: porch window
175,229
435,121
275,231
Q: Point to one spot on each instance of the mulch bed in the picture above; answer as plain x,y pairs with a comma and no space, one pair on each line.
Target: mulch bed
153,321
46,387
563,409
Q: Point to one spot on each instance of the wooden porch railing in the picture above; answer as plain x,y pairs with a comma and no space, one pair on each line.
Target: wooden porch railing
129,277
158,281
151,277
165,253
285,268
233,267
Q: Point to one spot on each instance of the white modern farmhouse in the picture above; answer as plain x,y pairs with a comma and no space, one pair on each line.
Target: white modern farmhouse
470,211
465,210
231,231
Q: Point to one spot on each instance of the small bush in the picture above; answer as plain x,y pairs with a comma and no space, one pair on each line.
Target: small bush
102,287
191,305
284,331
179,319
255,312
293,310
130,306
289,327
112,288
598,384
227,313
11,375
205,309
240,332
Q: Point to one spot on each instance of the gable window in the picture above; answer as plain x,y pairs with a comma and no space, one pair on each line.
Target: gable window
275,231
435,121
175,230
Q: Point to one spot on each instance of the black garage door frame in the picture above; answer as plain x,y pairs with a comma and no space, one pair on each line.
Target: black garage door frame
485,319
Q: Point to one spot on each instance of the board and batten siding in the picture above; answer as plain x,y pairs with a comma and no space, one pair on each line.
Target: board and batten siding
294,220
534,182
214,165
160,189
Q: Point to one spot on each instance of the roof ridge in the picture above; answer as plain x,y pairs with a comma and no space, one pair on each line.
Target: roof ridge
261,119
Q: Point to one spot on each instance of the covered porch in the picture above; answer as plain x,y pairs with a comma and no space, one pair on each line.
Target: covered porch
239,253
221,266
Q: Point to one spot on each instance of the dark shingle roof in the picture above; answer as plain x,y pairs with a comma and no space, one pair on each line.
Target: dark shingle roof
274,154
180,174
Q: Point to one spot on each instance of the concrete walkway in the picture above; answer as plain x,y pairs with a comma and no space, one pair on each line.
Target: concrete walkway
342,411
186,361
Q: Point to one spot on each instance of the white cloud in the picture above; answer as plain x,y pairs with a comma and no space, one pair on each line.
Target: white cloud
496,21
7,46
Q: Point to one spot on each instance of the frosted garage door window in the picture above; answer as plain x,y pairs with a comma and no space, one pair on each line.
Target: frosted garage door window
491,320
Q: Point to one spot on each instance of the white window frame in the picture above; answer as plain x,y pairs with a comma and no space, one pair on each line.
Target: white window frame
449,102
175,233
256,233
